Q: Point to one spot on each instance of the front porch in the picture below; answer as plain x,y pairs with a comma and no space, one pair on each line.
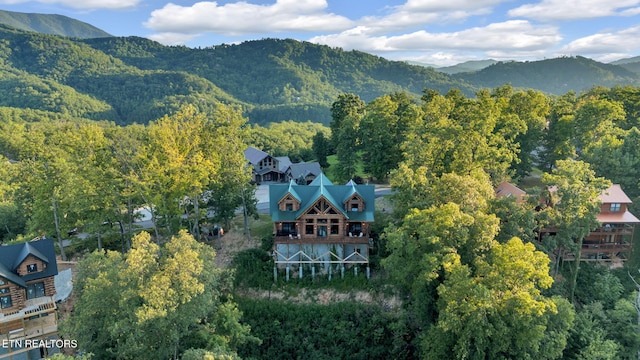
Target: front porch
38,319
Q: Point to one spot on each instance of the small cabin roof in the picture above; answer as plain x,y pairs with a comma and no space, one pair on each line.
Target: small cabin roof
507,189
613,195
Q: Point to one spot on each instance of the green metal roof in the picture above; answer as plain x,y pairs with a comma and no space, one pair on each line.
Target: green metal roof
322,187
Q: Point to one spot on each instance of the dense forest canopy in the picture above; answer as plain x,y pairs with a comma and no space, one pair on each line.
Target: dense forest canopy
448,238
136,80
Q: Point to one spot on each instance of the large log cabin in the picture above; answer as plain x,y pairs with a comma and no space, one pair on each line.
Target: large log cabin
27,307
321,224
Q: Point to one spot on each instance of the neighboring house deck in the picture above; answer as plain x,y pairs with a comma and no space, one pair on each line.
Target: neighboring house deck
612,241
274,169
321,223
27,307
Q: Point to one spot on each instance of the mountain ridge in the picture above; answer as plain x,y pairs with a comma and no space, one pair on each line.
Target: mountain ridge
52,24
134,79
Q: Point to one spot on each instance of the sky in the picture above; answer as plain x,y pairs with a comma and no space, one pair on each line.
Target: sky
436,32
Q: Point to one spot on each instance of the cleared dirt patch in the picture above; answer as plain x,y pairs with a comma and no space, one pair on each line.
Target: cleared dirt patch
232,243
326,297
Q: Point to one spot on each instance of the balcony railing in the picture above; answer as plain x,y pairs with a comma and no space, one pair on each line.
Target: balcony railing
606,247
38,318
362,238
612,231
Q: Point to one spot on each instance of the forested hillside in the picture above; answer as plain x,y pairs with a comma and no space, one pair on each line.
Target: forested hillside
135,80
129,80
554,76
50,24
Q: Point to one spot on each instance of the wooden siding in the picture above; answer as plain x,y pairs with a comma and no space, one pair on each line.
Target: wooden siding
606,208
18,294
17,299
30,260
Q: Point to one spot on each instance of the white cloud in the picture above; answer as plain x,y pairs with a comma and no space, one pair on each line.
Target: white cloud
447,6
84,4
442,58
514,35
168,38
549,10
627,40
244,18
420,12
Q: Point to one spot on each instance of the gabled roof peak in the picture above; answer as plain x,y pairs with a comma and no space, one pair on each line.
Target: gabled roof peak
28,249
321,180
292,190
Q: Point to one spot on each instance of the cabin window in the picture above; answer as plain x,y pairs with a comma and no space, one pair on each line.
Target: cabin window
2,282
289,206
5,301
35,290
335,227
354,206
288,228
4,290
32,268
322,231
614,207
308,230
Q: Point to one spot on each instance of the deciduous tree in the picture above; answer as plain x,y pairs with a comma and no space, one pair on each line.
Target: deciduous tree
147,303
575,190
346,113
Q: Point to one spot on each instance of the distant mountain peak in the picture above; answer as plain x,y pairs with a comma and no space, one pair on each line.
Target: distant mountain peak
467,66
51,24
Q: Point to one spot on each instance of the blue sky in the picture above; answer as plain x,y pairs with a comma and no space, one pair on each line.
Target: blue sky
431,31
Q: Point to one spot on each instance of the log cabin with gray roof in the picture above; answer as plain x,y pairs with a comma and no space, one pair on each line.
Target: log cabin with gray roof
27,307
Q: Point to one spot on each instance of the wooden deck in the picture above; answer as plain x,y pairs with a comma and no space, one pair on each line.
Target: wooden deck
605,248
332,239
37,319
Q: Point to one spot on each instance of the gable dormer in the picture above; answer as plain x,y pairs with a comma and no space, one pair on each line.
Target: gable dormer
291,200
289,203
30,261
31,265
354,203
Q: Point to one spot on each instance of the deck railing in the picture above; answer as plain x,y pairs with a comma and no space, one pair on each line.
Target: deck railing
37,318
329,239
